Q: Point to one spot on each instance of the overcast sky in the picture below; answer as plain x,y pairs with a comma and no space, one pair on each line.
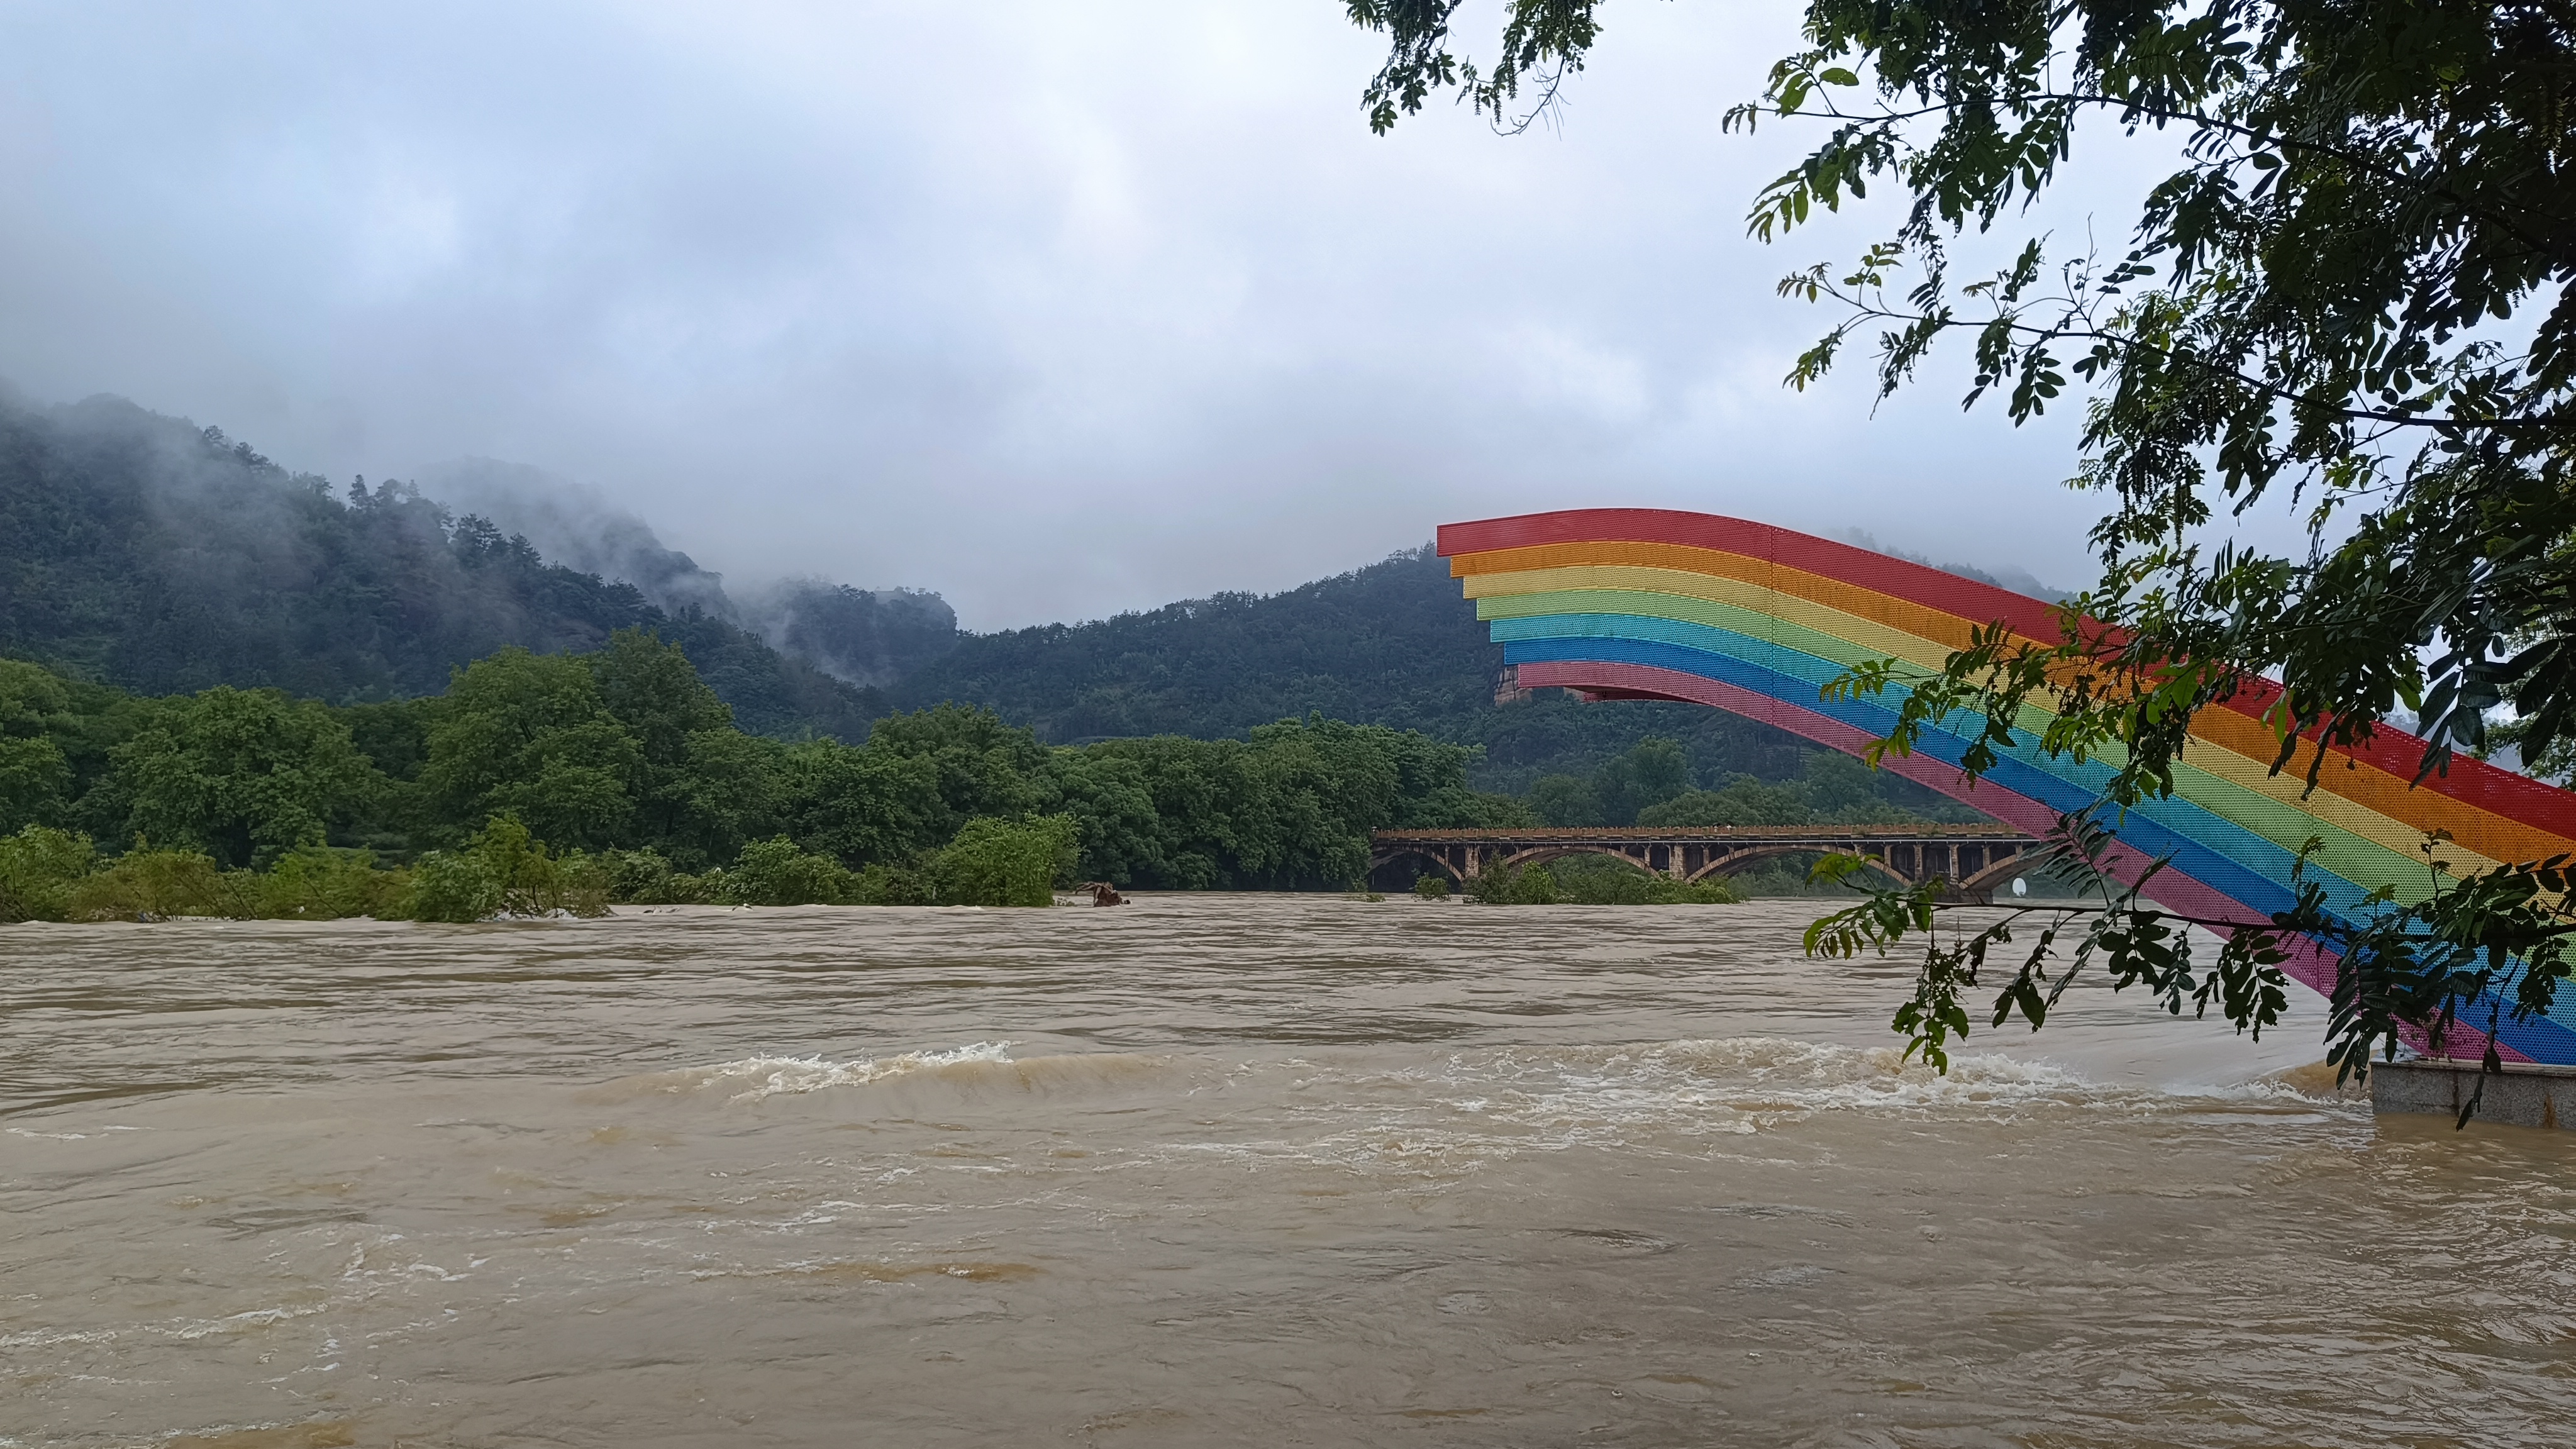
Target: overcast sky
1056,308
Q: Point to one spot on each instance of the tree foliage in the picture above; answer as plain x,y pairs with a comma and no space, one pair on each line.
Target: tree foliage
242,775
2330,296
1653,783
528,735
2348,297
539,782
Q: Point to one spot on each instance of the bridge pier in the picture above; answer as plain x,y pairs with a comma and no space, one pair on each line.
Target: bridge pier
2529,1094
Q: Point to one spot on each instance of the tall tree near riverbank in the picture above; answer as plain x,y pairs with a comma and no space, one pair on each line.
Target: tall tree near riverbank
242,775
2349,298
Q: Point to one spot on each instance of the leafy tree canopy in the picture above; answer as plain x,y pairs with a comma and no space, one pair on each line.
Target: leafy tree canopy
34,775
528,735
2350,290
2348,299
623,757
242,775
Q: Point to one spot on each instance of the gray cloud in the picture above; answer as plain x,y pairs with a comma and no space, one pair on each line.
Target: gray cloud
1057,310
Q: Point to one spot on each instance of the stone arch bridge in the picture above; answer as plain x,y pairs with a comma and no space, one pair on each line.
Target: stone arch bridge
1973,858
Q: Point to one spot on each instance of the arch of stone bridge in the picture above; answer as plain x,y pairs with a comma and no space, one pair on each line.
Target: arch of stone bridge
1542,854
1996,874
1434,861
1730,864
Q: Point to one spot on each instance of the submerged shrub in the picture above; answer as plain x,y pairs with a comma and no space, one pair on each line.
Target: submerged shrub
318,883
895,885
53,875
1713,891
1007,862
504,871
450,885
145,883
1433,887
38,868
776,873
580,886
1595,882
645,878
1498,885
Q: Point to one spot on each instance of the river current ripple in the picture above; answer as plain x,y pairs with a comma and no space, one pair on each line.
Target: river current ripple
1220,1169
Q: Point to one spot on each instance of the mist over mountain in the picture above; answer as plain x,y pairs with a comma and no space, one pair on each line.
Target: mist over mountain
2020,581
144,551
865,637
575,525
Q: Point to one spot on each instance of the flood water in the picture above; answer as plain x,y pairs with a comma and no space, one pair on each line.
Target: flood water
1223,1169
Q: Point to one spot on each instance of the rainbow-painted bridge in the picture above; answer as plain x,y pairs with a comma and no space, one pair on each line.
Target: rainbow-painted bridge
1648,604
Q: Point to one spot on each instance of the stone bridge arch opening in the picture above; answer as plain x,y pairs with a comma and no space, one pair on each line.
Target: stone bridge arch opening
1741,861
1996,876
1547,854
1397,870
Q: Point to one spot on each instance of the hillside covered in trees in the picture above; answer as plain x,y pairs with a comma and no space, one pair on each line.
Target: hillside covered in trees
1397,644
139,551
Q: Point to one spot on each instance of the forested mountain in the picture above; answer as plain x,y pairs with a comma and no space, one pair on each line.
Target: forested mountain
1396,643
140,551
859,636
866,636
1393,641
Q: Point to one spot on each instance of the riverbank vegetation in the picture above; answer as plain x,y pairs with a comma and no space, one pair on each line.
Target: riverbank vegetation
542,782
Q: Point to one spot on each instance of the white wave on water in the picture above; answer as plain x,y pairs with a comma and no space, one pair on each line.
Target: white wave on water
1478,1104
976,1069
1434,1119
1724,1084
69,1136
753,1079
1772,1075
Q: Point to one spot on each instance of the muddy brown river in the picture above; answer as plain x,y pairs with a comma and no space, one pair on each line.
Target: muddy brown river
1209,1170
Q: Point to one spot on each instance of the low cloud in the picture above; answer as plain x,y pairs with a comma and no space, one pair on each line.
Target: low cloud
1055,311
